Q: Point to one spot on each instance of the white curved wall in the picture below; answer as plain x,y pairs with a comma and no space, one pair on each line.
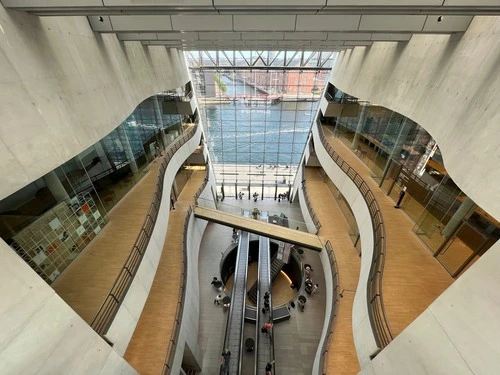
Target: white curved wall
63,88
364,339
123,326
448,84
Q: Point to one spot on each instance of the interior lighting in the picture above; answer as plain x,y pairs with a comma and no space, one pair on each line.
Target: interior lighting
286,276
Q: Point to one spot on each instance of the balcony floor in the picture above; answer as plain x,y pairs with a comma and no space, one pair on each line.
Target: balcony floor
87,281
148,347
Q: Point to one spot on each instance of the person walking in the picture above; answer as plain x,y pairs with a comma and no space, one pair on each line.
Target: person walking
217,299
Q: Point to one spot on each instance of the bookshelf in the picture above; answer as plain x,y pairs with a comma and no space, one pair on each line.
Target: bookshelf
56,238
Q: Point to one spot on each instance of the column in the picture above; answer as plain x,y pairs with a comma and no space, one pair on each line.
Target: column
55,186
127,148
361,121
398,145
159,120
464,211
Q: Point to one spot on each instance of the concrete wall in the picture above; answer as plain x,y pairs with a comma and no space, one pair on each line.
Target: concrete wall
364,339
123,326
41,334
191,314
450,85
311,228
457,333
63,88
327,270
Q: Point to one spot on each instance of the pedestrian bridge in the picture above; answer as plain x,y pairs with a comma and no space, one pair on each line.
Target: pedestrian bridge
295,237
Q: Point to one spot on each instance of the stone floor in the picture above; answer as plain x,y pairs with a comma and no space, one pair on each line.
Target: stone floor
296,340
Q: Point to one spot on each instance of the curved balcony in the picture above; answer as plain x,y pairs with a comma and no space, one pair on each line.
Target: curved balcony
370,326
122,307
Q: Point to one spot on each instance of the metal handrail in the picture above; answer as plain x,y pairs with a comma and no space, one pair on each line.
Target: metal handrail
172,345
312,213
376,312
109,308
335,306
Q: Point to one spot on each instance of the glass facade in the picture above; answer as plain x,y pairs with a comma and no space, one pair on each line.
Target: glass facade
257,123
51,220
407,164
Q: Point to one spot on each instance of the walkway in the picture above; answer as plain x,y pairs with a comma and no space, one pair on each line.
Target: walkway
149,344
413,278
86,282
279,233
342,357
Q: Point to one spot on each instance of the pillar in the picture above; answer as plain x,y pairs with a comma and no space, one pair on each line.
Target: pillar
55,186
464,211
361,122
159,121
398,146
127,148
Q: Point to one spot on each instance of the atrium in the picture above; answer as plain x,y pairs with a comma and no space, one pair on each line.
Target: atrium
259,187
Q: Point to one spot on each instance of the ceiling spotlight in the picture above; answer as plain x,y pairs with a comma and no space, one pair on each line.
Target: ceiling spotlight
440,19
102,19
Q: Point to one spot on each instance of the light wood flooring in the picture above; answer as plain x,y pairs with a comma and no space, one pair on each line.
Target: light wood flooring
149,344
87,281
342,357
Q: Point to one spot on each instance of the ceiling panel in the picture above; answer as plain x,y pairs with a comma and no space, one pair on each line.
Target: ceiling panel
50,3
349,36
403,37
327,23
448,24
136,36
219,36
306,36
177,36
262,36
322,42
202,22
336,3
141,23
170,3
358,43
245,4
264,23
392,23
472,3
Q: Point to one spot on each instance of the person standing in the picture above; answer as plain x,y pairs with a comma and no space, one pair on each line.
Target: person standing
269,368
225,360
217,299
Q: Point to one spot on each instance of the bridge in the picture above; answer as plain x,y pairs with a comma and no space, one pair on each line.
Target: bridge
295,237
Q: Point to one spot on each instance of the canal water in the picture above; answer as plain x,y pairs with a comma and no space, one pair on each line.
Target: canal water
252,133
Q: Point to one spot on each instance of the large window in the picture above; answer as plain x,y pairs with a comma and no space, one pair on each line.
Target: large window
257,122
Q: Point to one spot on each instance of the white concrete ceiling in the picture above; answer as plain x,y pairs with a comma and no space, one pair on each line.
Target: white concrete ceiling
289,24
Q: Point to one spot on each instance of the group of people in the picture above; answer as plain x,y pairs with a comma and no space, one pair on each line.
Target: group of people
225,360
266,307
310,287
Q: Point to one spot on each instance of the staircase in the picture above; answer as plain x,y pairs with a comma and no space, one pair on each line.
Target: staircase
276,267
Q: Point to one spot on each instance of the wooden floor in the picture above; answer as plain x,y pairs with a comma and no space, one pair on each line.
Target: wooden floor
87,281
342,354
149,344
293,236
413,278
